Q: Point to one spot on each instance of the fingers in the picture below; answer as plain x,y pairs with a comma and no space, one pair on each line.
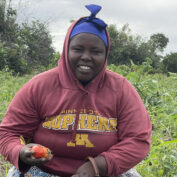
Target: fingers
28,152
38,162
31,160
27,156
85,170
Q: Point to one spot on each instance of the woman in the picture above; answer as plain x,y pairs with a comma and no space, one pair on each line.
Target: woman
93,120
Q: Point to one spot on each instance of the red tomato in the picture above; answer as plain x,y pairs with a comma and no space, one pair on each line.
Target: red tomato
41,151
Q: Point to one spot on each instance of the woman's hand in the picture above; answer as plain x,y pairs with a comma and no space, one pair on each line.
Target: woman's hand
87,170
27,156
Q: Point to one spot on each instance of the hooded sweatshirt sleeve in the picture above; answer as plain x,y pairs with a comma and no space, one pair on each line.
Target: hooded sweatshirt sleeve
21,119
134,130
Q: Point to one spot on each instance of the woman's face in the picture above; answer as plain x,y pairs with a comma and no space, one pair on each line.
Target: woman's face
87,54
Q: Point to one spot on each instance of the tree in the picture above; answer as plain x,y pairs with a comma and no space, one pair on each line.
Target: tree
24,46
114,52
11,54
38,42
2,14
159,41
157,44
125,46
170,62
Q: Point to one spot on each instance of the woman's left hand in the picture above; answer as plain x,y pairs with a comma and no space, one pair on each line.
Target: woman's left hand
85,170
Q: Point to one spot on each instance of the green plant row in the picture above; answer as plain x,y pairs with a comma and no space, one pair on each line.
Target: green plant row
159,95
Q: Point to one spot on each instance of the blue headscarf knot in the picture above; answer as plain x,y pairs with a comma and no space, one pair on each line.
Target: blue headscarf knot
91,24
94,9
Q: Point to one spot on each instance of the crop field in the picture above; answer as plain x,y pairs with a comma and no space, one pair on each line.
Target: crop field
159,94
9,85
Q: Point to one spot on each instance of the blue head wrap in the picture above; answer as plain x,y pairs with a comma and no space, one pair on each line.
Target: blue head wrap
91,24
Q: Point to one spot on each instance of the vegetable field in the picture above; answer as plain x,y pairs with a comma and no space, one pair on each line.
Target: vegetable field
159,93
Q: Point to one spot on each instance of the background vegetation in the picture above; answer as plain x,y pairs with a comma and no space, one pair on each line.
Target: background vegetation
26,46
158,92
159,95
26,49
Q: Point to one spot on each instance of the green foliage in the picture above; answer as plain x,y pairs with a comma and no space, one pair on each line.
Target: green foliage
126,47
162,161
11,56
54,61
159,41
157,44
159,95
23,47
170,62
4,167
38,43
9,85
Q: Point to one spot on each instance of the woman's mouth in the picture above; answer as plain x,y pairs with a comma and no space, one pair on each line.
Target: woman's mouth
85,67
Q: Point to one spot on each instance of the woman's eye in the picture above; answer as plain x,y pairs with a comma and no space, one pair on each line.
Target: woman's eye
77,49
96,52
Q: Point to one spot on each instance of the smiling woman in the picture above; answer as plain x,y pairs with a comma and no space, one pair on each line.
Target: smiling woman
93,120
87,55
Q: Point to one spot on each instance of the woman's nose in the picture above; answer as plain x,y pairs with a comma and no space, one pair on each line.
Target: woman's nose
86,55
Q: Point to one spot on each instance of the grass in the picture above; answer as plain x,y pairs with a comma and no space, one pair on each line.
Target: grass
159,95
9,85
4,167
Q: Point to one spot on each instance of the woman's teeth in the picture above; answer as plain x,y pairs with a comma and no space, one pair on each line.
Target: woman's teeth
84,67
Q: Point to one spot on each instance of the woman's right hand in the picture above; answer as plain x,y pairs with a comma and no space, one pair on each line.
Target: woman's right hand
27,156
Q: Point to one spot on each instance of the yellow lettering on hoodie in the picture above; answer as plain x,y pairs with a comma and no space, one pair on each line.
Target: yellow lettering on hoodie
56,123
91,111
113,124
81,123
48,121
86,122
83,111
68,119
71,144
91,120
103,124
81,140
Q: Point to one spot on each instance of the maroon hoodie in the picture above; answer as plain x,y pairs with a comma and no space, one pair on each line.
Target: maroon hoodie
106,117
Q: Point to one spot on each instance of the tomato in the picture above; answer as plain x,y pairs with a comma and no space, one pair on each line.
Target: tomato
41,151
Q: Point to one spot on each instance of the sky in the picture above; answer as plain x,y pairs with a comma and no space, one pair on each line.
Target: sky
145,17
